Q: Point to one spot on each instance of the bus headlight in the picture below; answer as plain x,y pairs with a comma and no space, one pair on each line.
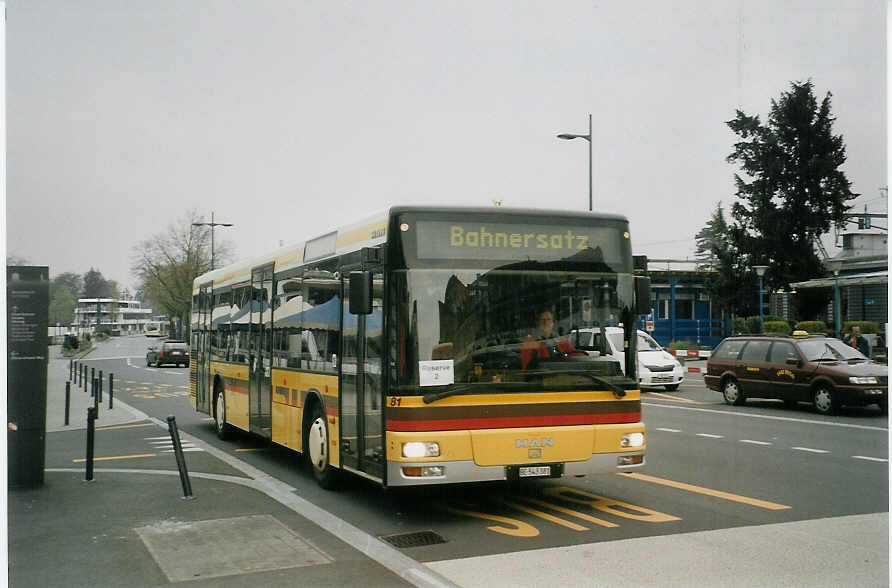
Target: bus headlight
632,440
416,449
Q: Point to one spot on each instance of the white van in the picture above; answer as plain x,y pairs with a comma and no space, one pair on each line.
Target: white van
656,367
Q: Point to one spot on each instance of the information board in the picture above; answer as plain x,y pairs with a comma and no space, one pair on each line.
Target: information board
27,306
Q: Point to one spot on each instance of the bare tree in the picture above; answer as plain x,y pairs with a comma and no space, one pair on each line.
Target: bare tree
168,262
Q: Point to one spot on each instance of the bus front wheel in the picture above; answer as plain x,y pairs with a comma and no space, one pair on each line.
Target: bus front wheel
224,429
318,449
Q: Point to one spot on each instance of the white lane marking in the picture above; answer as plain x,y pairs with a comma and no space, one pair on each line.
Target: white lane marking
810,450
668,430
755,442
869,458
708,436
763,416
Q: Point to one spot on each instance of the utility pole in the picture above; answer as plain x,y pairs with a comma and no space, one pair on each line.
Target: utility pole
212,225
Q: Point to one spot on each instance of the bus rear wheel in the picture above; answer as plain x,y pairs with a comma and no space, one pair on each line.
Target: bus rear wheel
317,448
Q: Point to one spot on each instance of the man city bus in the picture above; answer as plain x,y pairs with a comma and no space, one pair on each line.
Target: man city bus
428,345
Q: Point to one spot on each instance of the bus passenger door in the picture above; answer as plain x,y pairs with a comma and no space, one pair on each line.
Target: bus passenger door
361,389
201,349
260,374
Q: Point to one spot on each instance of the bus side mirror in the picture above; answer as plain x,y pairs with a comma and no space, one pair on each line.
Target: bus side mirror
360,293
642,295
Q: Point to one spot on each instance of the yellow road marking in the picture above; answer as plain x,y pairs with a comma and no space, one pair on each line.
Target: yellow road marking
707,491
676,398
580,515
521,529
609,505
81,460
109,428
546,516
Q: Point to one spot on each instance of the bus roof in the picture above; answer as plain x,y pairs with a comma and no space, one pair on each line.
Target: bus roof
368,232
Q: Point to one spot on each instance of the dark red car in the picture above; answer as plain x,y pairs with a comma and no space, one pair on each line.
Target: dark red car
820,370
176,352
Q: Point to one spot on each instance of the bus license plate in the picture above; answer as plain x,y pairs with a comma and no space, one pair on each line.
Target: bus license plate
533,471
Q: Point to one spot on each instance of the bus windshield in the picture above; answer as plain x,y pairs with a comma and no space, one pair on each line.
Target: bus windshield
507,330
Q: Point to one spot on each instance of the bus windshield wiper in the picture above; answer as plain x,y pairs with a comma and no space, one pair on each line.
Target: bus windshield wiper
453,391
618,391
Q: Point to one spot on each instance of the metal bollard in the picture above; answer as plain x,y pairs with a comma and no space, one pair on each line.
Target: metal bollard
67,401
181,461
91,436
96,397
70,369
111,391
100,385
92,375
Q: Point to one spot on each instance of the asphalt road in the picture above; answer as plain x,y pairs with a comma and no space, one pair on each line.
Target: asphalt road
709,466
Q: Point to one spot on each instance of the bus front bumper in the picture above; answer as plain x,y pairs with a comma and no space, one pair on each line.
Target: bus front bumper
457,472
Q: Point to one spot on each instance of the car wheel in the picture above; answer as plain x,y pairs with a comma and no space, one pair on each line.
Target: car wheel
884,406
825,400
224,429
317,446
732,393
671,387
148,363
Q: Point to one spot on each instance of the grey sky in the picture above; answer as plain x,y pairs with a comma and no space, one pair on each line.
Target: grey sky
290,118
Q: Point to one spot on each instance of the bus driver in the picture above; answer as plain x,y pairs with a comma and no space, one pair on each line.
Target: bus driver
543,346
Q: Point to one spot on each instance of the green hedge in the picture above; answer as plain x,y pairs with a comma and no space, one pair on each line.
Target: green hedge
682,345
782,327
812,326
751,323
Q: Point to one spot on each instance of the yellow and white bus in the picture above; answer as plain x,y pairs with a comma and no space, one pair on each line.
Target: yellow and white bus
407,348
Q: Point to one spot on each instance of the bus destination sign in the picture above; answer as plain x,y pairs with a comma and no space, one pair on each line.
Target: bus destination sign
513,241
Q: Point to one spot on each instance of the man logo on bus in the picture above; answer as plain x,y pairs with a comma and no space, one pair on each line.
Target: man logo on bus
543,442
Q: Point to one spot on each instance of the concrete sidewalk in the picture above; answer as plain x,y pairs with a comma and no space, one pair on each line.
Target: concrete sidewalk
132,527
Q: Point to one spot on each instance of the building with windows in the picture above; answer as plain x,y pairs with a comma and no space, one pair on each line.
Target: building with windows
681,308
861,272
111,315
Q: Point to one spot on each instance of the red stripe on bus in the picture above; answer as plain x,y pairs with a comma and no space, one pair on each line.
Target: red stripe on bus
238,389
513,422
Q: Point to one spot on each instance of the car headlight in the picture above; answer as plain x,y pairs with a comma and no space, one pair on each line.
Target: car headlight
863,380
416,449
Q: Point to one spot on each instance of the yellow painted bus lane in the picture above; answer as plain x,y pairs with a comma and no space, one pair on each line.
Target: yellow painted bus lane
706,491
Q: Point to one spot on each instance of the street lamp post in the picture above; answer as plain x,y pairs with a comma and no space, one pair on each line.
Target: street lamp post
835,266
588,138
760,271
212,224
